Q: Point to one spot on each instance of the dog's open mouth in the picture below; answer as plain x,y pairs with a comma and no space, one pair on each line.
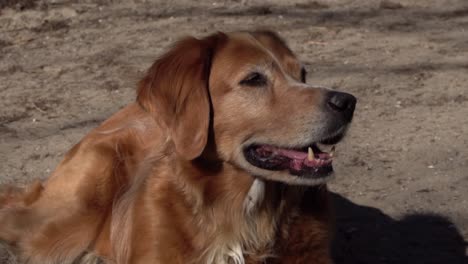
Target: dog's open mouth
310,161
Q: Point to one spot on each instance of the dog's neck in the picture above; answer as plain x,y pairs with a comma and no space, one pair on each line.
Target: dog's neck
243,210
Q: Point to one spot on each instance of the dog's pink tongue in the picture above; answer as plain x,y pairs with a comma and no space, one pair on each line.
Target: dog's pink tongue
296,164
299,159
292,154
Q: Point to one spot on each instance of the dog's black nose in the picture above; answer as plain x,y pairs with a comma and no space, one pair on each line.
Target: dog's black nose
342,103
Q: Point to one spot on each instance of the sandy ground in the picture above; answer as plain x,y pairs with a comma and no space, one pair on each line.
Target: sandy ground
402,173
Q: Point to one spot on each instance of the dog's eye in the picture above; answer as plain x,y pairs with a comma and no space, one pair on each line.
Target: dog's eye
254,79
303,75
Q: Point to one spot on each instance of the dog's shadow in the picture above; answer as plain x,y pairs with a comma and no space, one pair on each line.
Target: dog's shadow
366,235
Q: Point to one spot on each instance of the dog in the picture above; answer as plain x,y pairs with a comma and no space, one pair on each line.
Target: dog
218,160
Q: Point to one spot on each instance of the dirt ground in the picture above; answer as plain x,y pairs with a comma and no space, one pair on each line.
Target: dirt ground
401,185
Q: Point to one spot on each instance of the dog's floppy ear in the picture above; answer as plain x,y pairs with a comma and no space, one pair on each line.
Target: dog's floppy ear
175,91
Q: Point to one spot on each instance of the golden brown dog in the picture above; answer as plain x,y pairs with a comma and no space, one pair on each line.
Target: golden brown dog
217,161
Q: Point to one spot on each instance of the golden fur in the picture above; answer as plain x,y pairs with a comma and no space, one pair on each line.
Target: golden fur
164,179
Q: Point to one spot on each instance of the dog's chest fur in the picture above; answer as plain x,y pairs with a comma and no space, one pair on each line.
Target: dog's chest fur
253,241
254,233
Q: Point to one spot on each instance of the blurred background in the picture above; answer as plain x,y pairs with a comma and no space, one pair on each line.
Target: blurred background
401,186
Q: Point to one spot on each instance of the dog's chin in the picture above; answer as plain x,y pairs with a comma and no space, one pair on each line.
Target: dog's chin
286,177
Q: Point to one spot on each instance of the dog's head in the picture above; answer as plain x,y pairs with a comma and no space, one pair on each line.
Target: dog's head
243,96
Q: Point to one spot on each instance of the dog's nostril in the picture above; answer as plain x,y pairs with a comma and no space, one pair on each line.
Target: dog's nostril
337,107
342,103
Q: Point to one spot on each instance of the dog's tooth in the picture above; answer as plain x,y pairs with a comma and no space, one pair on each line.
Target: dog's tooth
332,152
310,155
